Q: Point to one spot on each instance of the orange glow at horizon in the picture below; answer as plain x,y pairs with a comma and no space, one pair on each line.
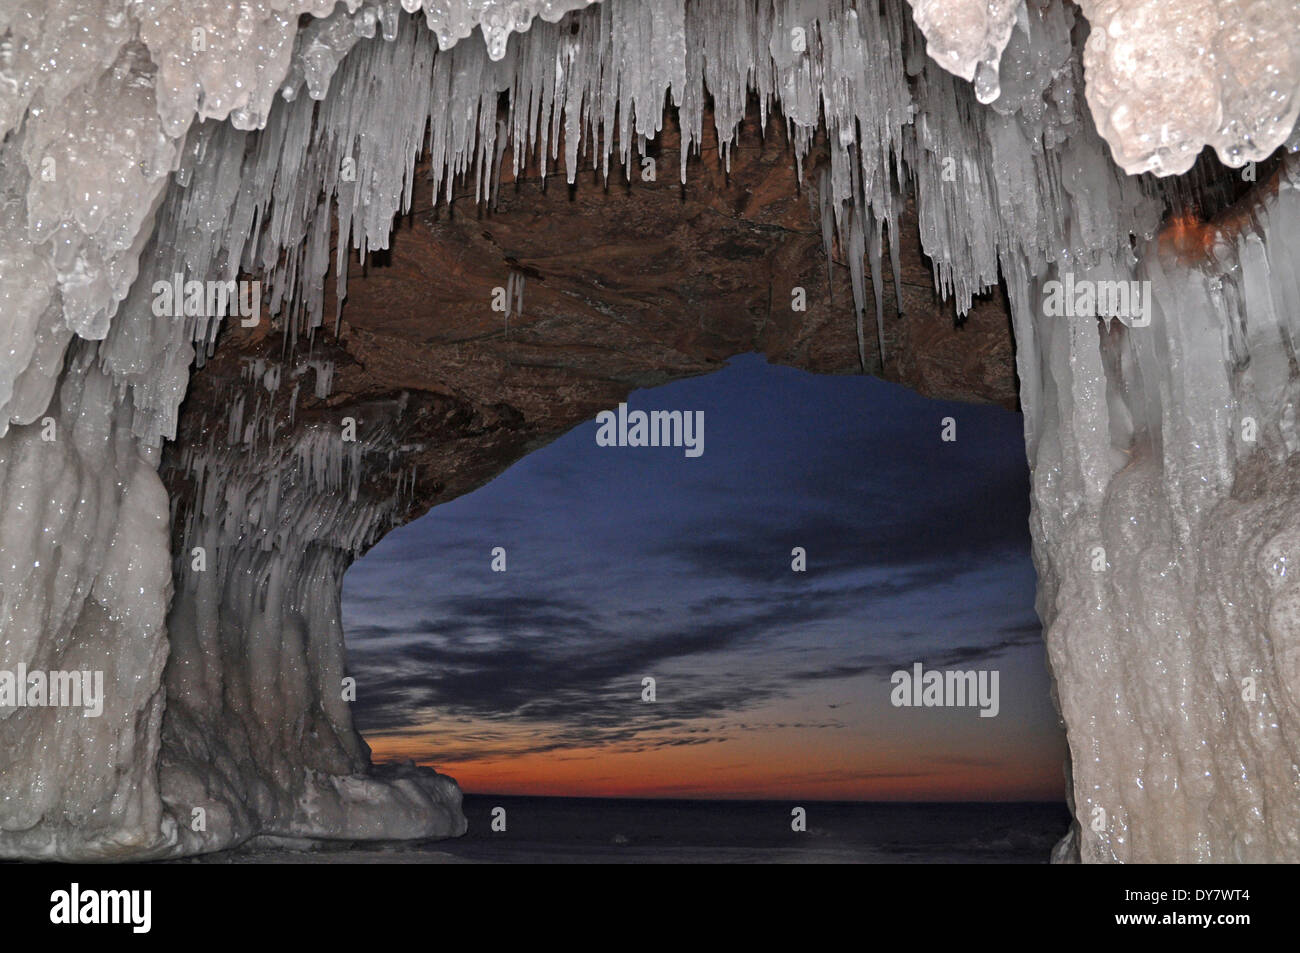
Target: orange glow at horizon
769,767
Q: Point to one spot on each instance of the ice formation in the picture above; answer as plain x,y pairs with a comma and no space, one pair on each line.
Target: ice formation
1164,78
258,731
1166,531
311,113
967,37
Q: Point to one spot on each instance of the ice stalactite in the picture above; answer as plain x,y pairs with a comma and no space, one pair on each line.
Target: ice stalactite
967,37
96,99
79,192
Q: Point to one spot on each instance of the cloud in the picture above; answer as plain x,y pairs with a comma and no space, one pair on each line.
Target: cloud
627,564
583,690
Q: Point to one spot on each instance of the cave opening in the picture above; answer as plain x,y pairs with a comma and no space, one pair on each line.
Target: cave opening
834,531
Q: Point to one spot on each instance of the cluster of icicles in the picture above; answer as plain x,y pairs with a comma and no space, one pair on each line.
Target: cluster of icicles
99,100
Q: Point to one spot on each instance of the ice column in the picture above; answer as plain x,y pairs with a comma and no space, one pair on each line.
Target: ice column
267,518
1167,526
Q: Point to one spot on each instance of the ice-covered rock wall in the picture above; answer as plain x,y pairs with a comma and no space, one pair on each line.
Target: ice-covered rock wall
1166,530
96,102
109,186
259,730
84,579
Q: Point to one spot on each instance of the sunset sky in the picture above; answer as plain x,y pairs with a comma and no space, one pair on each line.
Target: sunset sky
626,562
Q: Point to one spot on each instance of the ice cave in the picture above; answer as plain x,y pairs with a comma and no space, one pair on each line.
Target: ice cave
1007,201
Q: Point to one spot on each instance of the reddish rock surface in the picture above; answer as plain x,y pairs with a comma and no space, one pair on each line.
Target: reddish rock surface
627,285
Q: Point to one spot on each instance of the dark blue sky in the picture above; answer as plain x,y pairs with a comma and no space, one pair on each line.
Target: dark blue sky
631,562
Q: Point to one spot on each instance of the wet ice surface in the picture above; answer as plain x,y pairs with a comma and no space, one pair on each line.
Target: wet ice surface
1165,500
1165,79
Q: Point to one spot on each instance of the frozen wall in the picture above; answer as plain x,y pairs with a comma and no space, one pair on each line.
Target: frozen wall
1166,526
84,579
258,730
108,185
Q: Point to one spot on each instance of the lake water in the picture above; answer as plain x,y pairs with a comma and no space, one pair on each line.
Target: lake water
618,830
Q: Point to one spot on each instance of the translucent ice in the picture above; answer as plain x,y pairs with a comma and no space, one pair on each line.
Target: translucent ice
967,37
1164,518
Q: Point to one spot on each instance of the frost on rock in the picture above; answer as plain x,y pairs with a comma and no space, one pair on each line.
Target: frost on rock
1165,79
109,185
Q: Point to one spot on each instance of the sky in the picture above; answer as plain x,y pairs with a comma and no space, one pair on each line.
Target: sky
624,563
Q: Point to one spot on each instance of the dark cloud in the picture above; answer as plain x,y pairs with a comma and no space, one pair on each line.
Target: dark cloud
626,563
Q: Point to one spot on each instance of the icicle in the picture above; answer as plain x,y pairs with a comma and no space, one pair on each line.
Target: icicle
877,285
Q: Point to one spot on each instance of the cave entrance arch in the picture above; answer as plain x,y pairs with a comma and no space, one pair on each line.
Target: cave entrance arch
426,391
505,637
